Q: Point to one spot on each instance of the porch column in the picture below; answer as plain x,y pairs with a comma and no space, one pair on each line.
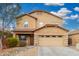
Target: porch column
14,35
31,39
66,40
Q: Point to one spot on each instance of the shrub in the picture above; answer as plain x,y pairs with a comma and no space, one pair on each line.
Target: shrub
22,43
12,42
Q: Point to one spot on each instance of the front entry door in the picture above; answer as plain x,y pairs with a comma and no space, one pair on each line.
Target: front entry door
24,39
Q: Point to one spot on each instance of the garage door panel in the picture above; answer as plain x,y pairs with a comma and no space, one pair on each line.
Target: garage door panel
50,42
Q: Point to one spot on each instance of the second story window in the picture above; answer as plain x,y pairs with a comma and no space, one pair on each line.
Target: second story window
41,24
26,24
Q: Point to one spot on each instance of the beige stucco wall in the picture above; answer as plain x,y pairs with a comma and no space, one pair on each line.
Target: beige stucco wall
20,22
75,39
52,41
51,31
46,18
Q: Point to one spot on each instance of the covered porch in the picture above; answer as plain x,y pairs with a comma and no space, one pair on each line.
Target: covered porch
25,37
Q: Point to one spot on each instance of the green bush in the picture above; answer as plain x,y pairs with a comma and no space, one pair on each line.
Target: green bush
12,42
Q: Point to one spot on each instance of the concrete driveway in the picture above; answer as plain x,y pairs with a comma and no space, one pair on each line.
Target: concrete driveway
39,51
57,51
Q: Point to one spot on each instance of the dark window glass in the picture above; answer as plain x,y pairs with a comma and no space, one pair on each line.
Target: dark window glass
54,36
41,35
47,36
60,36
22,37
26,25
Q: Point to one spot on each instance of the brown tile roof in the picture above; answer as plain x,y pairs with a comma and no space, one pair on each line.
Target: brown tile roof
31,30
45,12
23,30
37,11
51,25
74,32
24,15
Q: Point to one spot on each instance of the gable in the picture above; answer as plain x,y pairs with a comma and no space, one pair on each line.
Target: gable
41,11
46,17
25,15
51,30
26,18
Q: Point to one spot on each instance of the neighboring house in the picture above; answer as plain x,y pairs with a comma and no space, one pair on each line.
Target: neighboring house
74,37
41,28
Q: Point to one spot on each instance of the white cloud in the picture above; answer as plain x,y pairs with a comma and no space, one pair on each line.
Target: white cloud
76,8
55,4
62,12
75,16
66,17
72,17
55,13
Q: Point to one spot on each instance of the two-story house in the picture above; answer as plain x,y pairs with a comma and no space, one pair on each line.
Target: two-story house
41,28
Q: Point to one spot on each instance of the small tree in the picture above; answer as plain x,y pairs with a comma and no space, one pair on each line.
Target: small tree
8,12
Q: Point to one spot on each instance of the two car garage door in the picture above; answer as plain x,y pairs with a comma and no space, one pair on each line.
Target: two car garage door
51,40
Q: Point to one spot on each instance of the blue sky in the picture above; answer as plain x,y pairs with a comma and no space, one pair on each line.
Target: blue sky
68,11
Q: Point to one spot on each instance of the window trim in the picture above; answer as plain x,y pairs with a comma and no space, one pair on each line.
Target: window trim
26,23
47,36
51,36
41,24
